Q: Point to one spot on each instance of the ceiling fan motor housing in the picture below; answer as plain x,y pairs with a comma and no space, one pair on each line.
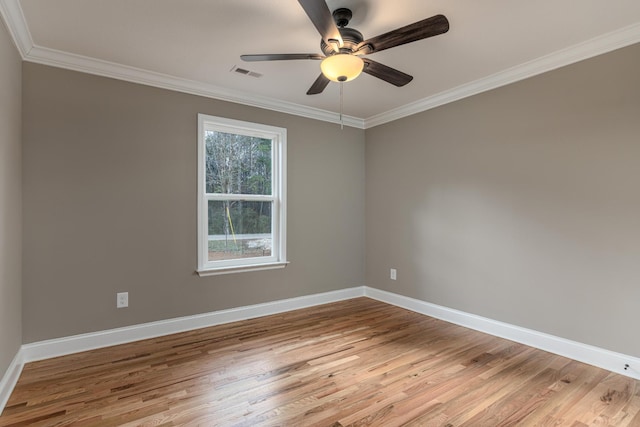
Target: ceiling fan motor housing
350,37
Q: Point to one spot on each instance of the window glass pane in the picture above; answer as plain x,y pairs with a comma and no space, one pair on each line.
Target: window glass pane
239,229
237,164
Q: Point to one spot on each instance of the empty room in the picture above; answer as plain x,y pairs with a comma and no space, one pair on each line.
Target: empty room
319,213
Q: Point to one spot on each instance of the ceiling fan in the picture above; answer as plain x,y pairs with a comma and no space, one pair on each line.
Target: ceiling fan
344,48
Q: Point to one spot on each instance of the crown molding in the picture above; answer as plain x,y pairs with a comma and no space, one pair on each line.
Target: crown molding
597,46
11,12
70,61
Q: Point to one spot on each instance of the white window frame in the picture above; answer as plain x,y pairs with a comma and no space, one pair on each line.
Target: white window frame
278,136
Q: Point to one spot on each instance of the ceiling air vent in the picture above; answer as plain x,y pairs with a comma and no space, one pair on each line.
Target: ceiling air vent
246,72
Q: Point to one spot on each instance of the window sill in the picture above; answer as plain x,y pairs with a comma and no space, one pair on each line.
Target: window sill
241,269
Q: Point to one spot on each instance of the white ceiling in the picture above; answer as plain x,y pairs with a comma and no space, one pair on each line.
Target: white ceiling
191,45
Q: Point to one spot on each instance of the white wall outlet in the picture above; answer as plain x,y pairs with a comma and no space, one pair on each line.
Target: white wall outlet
393,274
122,299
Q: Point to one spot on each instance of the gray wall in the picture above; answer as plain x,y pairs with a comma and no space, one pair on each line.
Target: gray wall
521,204
110,205
10,201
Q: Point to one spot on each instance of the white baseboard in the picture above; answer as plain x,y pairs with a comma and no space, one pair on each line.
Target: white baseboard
90,341
9,379
595,356
77,343
585,353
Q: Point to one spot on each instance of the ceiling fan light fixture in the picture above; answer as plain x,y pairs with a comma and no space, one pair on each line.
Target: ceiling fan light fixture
342,67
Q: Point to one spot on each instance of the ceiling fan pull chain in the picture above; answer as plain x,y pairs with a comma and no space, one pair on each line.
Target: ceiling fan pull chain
341,96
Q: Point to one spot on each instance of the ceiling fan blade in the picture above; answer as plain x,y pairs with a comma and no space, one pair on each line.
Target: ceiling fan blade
388,74
280,56
319,85
321,16
429,27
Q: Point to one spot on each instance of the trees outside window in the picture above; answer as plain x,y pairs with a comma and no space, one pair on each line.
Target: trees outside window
241,188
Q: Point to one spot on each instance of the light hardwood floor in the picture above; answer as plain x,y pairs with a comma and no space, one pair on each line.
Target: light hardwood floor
352,363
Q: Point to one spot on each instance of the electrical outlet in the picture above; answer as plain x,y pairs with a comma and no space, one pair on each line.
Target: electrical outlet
393,274
122,299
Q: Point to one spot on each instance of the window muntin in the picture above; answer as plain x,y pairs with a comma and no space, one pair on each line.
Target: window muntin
241,187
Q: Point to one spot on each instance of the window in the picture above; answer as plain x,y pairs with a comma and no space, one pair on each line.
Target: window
241,196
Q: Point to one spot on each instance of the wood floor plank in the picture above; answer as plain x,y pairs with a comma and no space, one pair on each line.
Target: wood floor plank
353,363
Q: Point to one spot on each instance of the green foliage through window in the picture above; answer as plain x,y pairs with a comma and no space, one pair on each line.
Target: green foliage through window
237,164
